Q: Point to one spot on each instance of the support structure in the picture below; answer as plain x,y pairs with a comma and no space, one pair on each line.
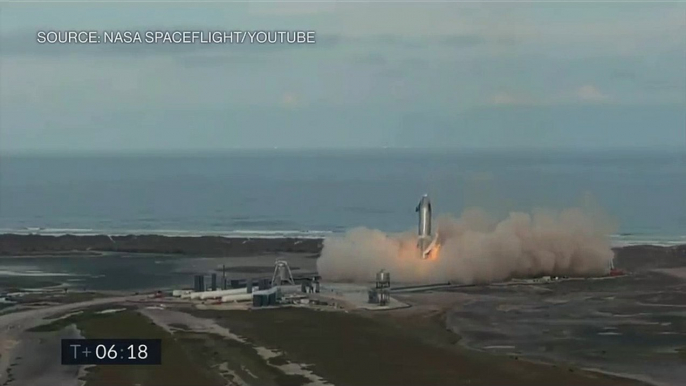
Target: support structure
282,274
381,293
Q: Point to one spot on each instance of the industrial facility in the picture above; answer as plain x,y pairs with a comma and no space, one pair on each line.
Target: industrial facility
259,292
284,289
381,293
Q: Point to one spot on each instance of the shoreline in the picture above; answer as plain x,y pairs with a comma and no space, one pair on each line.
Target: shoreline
22,245
205,246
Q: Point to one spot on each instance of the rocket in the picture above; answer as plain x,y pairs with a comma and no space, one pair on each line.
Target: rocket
426,241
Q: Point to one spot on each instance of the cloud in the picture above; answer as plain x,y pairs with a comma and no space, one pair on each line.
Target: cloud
371,58
586,94
24,43
291,100
591,93
388,40
221,60
503,98
506,99
471,40
291,8
368,57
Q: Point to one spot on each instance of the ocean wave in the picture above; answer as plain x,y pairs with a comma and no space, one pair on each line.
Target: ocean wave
617,240
4,272
629,239
242,233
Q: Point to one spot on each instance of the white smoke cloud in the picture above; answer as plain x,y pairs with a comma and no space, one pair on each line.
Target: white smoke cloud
477,249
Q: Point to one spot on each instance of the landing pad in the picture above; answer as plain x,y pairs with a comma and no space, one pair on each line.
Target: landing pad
355,296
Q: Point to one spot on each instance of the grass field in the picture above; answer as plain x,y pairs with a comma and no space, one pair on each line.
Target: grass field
350,349
232,358
188,358
178,367
59,322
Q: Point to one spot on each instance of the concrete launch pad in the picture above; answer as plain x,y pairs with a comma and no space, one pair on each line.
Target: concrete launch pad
355,296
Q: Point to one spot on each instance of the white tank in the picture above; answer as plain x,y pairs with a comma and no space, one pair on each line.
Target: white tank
287,289
219,294
283,274
196,295
237,297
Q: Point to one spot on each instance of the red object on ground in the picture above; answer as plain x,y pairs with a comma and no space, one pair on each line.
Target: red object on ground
616,272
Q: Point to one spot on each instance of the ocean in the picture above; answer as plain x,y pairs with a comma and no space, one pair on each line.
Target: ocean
274,193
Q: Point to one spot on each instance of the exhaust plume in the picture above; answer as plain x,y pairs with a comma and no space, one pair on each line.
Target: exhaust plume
477,249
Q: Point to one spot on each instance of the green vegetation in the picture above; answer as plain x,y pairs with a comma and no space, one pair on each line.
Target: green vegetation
188,358
343,348
178,367
351,349
239,358
86,315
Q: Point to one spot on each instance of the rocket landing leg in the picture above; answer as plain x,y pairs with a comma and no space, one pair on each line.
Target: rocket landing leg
424,248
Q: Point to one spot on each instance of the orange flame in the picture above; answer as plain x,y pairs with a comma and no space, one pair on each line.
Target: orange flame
435,251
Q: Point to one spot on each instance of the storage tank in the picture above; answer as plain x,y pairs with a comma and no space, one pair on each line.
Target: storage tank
199,283
237,297
196,295
219,294
283,274
264,284
383,279
268,297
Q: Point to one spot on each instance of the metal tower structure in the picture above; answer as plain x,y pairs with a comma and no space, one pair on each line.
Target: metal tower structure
282,274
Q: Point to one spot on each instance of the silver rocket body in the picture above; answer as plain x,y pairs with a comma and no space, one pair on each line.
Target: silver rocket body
427,239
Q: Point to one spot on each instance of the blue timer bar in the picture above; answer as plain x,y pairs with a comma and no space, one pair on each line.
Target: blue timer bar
111,351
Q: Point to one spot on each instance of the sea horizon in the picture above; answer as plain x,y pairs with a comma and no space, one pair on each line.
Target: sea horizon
316,192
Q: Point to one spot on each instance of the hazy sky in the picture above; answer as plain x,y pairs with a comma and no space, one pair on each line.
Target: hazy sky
469,75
